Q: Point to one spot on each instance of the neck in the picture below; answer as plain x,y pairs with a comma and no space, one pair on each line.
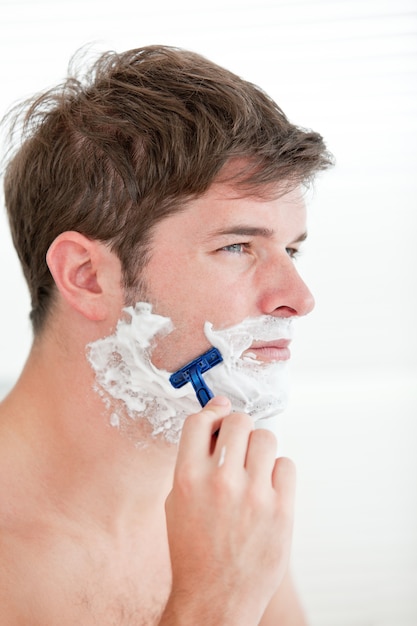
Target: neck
75,459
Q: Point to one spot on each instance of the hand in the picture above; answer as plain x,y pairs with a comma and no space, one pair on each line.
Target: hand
229,519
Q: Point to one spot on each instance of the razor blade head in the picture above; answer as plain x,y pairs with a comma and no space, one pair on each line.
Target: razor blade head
192,373
202,363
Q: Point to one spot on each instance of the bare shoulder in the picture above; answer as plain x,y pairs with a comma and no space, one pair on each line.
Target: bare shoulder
285,608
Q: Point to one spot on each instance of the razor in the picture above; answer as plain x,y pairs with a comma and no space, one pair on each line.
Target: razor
193,371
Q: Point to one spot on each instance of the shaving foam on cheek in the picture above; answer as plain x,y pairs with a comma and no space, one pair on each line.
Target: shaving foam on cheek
132,386
127,378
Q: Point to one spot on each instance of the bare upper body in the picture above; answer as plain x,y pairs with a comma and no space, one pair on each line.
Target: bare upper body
96,530
154,176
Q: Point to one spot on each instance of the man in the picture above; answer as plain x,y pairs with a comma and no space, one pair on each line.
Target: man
164,180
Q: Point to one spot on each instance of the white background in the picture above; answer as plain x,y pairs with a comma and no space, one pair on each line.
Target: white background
348,70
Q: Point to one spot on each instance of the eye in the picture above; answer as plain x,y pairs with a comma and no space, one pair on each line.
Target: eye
293,253
236,248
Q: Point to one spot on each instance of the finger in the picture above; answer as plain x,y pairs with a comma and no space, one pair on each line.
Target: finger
232,441
261,455
283,481
198,429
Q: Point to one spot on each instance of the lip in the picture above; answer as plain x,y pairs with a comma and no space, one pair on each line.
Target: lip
269,351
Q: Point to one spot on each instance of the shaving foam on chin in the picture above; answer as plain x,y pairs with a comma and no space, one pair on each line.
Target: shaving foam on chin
134,388
254,387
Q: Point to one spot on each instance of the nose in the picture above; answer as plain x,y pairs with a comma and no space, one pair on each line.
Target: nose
285,294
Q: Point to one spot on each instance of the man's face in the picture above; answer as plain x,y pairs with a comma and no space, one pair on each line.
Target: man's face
223,259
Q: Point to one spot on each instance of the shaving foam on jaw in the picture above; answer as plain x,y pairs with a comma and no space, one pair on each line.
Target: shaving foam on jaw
126,376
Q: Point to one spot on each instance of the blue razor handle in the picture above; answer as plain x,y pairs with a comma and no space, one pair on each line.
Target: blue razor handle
192,373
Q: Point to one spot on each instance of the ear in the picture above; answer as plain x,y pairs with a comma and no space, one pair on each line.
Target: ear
86,273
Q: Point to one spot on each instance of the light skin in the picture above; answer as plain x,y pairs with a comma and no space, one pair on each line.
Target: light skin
96,530
239,263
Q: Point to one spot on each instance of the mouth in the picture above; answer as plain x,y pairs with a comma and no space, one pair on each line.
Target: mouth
269,351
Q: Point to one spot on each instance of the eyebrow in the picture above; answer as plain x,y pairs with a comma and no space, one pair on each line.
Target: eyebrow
252,231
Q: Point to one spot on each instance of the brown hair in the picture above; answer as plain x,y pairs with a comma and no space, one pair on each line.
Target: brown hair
114,152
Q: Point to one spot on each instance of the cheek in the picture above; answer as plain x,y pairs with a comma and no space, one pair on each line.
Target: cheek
188,299
182,345
191,298
187,341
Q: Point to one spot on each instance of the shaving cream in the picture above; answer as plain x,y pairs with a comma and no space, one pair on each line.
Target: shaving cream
134,388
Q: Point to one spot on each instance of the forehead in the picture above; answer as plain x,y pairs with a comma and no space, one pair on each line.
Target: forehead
224,207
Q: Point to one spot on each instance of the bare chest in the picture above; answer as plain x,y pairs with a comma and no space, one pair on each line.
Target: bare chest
101,599
70,582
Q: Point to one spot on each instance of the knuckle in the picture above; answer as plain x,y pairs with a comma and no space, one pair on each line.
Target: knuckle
239,420
192,421
196,423
222,482
224,487
258,499
265,438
